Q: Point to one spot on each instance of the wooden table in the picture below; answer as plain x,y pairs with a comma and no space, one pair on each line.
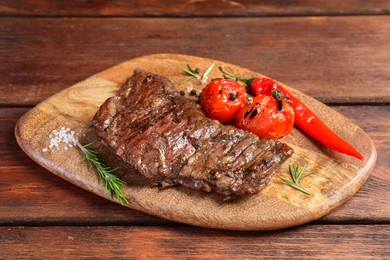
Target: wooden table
336,52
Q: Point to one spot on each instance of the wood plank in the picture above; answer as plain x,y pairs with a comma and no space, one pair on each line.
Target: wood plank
306,242
183,8
324,57
30,194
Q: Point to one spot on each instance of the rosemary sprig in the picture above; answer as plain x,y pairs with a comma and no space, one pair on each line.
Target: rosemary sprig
228,75
194,73
296,173
111,181
206,73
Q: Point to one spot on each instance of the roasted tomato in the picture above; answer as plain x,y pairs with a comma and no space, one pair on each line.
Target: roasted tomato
263,86
266,117
221,99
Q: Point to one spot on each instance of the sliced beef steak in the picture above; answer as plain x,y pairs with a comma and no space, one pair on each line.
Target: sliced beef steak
169,140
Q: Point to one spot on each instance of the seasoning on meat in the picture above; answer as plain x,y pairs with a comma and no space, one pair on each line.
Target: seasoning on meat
168,139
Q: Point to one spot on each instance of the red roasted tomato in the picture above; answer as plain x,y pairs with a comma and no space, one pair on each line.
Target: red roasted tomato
263,86
221,99
266,118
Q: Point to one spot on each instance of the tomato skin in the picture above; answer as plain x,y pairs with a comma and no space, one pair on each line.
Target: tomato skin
216,99
263,118
263,86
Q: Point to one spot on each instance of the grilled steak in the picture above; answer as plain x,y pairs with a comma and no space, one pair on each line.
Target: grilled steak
169,140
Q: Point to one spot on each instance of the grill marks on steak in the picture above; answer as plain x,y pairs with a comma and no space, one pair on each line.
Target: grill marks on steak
169,140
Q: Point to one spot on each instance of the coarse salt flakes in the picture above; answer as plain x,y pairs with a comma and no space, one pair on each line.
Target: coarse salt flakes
189,88
63,137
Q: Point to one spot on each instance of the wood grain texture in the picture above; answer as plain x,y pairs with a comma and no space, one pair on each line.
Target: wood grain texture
368,118
325,57
338,179
184,8
308,242
29,194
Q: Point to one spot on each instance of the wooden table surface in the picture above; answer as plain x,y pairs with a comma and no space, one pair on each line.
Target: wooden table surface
336,52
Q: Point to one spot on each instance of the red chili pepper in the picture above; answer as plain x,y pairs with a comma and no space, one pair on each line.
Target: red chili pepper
314,127
304,117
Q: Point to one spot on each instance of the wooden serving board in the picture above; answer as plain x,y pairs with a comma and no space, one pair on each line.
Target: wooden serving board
337,177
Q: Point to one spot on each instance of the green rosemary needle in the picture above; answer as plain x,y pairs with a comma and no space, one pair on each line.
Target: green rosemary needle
194,73
203,79
296,173
111,181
